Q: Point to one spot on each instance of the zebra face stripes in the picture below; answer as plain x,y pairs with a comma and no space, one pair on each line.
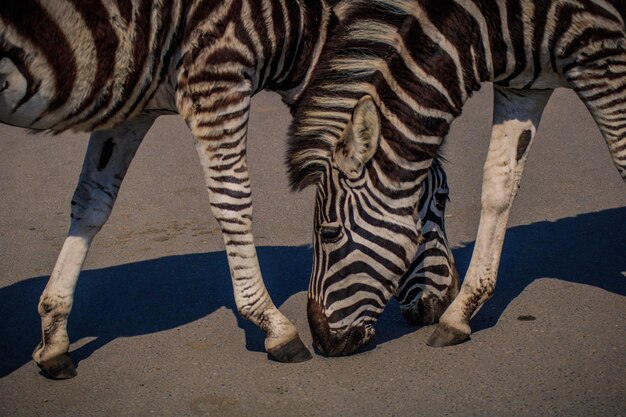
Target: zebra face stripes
346,295
364,246
418,61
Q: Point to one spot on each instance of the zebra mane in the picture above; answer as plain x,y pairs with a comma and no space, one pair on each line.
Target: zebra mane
349,68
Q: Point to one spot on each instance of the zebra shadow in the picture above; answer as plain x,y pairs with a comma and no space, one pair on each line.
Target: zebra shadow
587,249
142,298
160,294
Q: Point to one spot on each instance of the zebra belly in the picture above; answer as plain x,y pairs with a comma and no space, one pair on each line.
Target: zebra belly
164,100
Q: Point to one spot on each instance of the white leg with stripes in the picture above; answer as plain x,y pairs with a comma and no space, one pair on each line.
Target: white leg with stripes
231,204
222,152
108,157
515,121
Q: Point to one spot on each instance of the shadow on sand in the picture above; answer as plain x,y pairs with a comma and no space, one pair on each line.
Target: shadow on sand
161,294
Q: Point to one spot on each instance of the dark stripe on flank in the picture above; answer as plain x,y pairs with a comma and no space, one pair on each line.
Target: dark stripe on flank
32,22
516,30
126,9
260,28
155,56
294,46
539,26
447,16
143,27
202,12
491,12
106,42
279,32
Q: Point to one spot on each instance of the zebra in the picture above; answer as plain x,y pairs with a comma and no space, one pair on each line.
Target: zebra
431,281
112,67
379,107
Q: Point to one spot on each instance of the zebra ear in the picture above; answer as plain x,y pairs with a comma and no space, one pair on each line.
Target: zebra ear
359,141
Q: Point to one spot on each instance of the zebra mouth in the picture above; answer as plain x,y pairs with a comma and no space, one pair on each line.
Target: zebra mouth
336,342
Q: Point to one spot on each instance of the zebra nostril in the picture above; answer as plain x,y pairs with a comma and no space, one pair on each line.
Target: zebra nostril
330,234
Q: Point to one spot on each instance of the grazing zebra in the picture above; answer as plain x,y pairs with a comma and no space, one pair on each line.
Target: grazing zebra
112,67
379,106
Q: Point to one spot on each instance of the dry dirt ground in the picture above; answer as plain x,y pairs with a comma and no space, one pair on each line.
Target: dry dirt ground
154,329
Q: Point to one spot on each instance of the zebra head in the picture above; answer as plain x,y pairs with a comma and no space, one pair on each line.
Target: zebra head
367,223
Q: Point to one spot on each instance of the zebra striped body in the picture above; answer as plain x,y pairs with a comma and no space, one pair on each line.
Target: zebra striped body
86,65
95,64
380,104
113,66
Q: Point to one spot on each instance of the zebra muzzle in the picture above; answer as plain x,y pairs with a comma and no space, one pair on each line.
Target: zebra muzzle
336,342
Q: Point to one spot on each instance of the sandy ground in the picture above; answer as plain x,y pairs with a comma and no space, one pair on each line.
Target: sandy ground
154,329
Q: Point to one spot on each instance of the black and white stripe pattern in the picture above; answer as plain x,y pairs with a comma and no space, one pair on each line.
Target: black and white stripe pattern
113,66
431,281
425,290
380,104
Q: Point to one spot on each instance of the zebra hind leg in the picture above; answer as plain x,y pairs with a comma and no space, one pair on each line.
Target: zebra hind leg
515,121
599,79
431,282
108,156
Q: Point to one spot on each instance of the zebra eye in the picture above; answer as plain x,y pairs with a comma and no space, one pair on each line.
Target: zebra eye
330,234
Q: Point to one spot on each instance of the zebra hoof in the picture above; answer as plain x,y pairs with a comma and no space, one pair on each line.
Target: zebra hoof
446,336
293,351
59,367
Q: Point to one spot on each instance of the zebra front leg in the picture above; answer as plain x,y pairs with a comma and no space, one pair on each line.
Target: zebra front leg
228,184
108,156
222,152
431,282
515,121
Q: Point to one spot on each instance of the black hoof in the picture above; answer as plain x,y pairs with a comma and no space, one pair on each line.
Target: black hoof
291,352
446,336
60,367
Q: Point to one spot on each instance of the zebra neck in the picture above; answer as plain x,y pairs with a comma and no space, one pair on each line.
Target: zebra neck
301,47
